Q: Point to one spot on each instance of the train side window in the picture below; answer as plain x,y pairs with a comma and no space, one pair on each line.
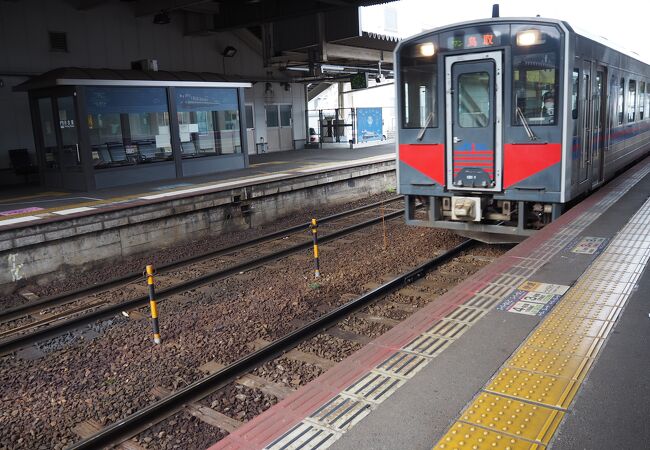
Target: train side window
535,88
642,97
619,102
631,101
575,86
419,84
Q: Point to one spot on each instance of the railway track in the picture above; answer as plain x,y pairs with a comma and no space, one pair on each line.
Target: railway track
170,403
83,309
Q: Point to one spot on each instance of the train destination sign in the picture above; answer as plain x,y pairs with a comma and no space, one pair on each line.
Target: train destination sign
477,40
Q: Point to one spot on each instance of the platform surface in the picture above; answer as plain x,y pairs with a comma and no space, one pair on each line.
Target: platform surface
547,347
28,205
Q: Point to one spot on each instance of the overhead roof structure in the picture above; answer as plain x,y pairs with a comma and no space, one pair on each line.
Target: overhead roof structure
298,37
68,76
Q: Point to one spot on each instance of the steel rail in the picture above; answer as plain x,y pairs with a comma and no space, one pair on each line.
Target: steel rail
18,342
125,428
70,296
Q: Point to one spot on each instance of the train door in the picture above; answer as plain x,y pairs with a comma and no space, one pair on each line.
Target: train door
585,121
599,116
473,121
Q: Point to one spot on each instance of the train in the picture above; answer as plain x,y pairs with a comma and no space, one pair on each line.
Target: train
505,122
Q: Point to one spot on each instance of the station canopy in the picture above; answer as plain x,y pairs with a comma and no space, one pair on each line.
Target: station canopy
305,40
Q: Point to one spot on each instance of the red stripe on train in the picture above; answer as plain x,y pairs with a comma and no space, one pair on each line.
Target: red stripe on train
521,161
426,158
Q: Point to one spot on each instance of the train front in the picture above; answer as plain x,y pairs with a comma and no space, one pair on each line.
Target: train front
480,127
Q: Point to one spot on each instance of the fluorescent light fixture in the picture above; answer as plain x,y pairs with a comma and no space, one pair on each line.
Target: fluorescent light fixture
427,49
331,68
529,37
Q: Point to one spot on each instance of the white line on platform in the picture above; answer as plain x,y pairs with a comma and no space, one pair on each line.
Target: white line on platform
213,186
18,220
65,212
345,164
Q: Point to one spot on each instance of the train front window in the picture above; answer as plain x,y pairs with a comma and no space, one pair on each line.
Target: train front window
419,82
474,100
535,88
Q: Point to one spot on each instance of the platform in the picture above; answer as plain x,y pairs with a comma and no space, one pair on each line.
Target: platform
43,236
545,347
29,205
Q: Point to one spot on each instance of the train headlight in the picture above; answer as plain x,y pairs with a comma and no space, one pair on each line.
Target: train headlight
427,49
529,37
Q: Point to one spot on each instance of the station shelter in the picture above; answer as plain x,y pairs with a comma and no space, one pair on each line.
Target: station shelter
99,128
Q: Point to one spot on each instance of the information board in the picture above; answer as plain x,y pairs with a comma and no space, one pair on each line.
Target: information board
369,124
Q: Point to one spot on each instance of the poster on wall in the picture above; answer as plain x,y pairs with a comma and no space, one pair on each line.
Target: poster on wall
369,124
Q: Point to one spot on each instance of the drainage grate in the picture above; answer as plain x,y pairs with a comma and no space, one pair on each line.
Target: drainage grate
467,315
374,387
341,413
403,364
496,290
509,280
304,436
520,271
482,301
448,329
427,345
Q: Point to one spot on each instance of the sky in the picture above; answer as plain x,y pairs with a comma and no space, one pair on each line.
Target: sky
625,25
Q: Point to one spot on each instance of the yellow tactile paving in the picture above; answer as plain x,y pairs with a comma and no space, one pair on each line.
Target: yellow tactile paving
576,325
519,419
573,344
597,284
550,362
466,436
535,387
601,298
586,310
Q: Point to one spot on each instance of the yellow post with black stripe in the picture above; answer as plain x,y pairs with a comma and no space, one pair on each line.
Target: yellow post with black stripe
314,233
152,303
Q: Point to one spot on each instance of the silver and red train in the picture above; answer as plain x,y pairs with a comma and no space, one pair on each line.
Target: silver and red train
504,122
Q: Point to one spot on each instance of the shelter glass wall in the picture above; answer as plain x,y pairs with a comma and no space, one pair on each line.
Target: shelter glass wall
208,121
128,125
97,136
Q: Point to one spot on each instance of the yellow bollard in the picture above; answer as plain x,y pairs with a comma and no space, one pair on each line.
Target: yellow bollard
152,303
314,233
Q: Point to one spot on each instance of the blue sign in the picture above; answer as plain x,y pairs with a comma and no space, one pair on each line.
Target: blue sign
369,124
125,100
206,99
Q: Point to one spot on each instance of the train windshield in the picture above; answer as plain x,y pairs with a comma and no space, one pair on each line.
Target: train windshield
535,74
419,81
535,87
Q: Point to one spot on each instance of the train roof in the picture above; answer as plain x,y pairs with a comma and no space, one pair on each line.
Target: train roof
542,20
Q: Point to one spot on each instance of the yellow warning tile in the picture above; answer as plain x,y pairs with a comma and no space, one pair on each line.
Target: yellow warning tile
587,310
550,362
573,344
574,325
522,420
466,436
598,297
534,387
